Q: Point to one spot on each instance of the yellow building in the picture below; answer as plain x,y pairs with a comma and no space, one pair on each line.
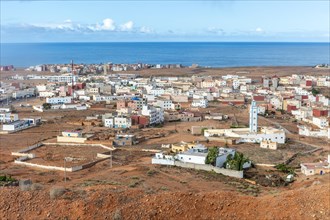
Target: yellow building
182,146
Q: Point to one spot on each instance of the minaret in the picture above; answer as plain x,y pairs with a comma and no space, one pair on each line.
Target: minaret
253,117
72,83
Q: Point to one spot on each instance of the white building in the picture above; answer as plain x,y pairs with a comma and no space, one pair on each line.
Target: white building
253,117
45,94
156,114
200,103
59,100
196,155
268,145
321,122
157,91
117,122
65,78
164,103
7,117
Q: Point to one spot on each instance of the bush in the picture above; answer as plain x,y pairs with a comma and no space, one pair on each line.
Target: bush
151,172
56,192
25,185
285,168
36,186
117,215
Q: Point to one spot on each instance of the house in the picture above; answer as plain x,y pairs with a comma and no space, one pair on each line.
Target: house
164,103
201,103
71,137
321,122
140,120
196,155
268,144
59,100
6,117
117,121
320,168
156,114
182,146
125,140
15,126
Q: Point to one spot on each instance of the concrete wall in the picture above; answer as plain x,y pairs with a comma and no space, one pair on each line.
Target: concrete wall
30,148
162,161
226,172
71,139
68,169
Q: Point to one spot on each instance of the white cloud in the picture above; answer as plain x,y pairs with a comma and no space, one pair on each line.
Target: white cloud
127,26
108,24
216,30
145,29
259,29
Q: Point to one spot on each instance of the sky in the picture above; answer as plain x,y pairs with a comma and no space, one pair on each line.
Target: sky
148,21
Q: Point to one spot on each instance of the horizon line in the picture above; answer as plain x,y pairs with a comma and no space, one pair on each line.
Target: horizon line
166,42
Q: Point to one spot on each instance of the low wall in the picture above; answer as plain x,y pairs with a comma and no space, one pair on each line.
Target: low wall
206,167
87,165
226,172
30,148
162,161
68,169
26,156
81,145
71,139
102,155
29,156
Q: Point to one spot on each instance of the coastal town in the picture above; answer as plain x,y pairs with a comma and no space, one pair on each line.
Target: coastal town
66,120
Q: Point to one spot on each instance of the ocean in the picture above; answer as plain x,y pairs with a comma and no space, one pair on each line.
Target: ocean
202,53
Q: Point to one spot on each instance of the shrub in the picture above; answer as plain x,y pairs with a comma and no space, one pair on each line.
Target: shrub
36,186
117,215
56,192
151,172
25,185
285,168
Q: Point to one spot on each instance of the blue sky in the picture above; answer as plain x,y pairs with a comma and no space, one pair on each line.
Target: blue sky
112,21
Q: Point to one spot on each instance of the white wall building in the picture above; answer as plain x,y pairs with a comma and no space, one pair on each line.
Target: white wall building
59,100
6,117
164,103
156,114
321,122
200,103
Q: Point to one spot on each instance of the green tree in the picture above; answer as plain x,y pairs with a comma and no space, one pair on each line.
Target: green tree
47,106
236,162
315,91
212,155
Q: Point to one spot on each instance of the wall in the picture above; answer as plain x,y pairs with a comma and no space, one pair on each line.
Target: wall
162,161
226,172
69,169
71,139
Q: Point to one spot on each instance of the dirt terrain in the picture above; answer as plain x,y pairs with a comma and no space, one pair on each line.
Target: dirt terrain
133,188
254,72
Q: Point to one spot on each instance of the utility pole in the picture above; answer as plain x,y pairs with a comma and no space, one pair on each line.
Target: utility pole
64,169
111,159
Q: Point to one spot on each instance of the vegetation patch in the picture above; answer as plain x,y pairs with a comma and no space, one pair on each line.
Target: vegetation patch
8,181
152,172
